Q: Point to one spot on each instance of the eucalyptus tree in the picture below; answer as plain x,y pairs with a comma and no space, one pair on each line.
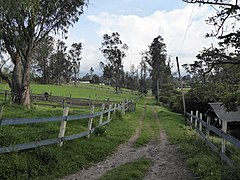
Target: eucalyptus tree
113,50
160,70
41,57
23,24
143,77
59,64
74,56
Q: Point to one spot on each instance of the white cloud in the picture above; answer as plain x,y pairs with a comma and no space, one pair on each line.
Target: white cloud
138,32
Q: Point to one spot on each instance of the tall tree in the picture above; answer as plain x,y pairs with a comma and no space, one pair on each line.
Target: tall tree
23,24
143,77
160,70
41,57
74,56
114,51
59,63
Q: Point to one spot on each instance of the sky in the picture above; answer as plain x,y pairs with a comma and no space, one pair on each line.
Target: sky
138,22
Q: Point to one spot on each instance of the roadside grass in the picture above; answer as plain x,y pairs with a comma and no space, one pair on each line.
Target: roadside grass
199,158
134,170
51,161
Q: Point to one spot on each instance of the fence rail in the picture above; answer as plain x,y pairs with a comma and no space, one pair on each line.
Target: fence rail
61,100
124,106
197,123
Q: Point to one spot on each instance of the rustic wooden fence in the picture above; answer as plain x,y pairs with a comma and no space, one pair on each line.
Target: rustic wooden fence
61,100
123,107
196,121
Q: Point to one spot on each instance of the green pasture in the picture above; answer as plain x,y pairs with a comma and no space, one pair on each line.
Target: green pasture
92,91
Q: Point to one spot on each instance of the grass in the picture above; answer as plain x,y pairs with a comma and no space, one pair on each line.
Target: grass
130,171
51,161
150,129
199,158
91,91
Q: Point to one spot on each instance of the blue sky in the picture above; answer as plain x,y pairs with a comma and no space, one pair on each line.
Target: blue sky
138,22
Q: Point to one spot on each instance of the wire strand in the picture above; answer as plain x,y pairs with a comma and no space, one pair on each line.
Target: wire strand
185,35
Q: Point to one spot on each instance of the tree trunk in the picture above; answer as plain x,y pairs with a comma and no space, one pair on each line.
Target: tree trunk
21,82
25,96
16,79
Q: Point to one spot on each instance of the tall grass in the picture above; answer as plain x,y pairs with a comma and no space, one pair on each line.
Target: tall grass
199,158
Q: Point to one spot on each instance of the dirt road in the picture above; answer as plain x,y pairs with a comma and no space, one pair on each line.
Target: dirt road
167,163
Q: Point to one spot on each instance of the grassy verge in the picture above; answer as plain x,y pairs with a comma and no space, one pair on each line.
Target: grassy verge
200,159
130,171
51,161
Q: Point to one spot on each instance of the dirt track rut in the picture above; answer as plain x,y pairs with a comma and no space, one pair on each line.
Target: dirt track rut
167,163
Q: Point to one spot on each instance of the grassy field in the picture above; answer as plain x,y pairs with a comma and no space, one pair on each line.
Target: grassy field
52,162
92,91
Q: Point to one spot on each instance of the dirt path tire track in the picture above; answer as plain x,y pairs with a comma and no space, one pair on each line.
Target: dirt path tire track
166,161
125,153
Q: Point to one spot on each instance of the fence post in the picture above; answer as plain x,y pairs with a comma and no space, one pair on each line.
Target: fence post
224,129
109,113
123,107
200,123
207,129
1,112
115,106
191,119
63,103
196,120
6,95
101,117
90,121
63,125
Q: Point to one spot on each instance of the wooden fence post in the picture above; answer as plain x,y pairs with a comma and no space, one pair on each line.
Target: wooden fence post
123,107
90,121
115,106
109,113
207,129
191,119
101,117
63,125
1,112
224,129
63,103
6,95
200,123
196,120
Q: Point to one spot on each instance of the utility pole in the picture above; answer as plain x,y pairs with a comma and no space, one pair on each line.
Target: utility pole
180,79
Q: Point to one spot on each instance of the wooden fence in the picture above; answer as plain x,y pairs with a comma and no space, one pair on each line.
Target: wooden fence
61,100
196,121
124,106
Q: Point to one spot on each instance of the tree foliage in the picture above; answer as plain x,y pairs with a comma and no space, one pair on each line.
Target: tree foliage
156,57
23,24
113,50
223,62
74,56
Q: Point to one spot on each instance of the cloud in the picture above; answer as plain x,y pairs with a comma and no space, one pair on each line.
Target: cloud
138,32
